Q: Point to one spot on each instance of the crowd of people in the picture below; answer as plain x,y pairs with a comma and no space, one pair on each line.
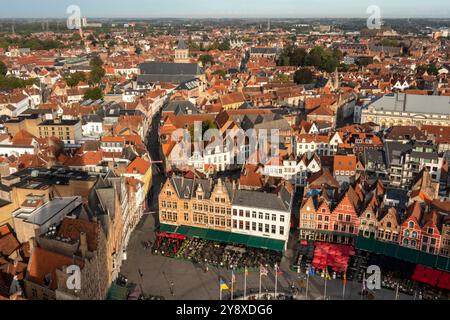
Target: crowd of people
210,253
395,274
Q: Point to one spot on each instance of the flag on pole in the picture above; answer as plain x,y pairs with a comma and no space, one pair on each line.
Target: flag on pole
223,285
233,277
345,279
246,271
327,275
310,271
278,270
263,271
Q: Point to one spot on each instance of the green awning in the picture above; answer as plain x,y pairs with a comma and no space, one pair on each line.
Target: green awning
217,235
226,237
167,228
403,253
117,292
237,238
276,245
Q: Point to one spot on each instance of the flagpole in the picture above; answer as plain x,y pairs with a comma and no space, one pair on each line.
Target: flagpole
307,285
259,296
245,283
232,283
343,293
363,285
276,279
220,294
345,284
396,292
325,288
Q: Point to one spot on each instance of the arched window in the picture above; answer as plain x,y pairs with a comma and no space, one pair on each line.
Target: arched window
405,242
388,224
411,224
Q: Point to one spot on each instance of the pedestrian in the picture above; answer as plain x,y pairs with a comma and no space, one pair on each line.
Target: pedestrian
171,289
140,273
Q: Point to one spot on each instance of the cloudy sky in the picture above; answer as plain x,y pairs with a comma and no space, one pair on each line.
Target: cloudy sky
224,8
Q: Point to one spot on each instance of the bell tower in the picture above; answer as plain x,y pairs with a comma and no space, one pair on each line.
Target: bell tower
181,52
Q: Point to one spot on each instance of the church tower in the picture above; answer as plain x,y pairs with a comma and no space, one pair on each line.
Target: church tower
182,52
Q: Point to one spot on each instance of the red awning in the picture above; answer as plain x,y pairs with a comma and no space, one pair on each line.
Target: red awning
432,277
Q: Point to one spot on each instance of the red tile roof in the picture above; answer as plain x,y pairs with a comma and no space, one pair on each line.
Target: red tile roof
44,262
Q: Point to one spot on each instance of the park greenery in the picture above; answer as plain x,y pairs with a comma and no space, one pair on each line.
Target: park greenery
319,57
93,93
97,72
31,43
73,79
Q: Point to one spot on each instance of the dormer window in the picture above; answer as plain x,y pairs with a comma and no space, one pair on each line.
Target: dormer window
411,225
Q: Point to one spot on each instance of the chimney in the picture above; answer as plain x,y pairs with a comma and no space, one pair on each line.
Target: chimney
404,103
33,244
83,244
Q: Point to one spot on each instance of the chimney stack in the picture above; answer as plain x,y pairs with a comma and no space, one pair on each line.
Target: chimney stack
33,244
83,244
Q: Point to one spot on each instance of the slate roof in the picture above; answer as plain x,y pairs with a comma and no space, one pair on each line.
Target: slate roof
413,103
262,200
173,69
180,107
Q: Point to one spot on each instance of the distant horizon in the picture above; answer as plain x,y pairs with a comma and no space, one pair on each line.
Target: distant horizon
225,18
227,9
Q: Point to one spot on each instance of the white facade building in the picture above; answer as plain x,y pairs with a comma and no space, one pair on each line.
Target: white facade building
260,214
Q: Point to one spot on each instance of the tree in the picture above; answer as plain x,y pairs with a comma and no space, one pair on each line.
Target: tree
330,65
206,59
97,71
13,82
206,125
3,69
303,76
364,61
221,73
96,75
283,77
224,46
93,93
432,69
298,57
72,79
96,62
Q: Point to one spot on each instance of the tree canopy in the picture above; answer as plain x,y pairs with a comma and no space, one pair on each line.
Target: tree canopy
303,76
72,79
97,72
206,59
3,69
93,93
319,57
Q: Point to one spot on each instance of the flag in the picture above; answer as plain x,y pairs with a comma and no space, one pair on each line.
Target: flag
223,285
233,277
327,275
278,270
310,271
345,278
246,271
263,271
